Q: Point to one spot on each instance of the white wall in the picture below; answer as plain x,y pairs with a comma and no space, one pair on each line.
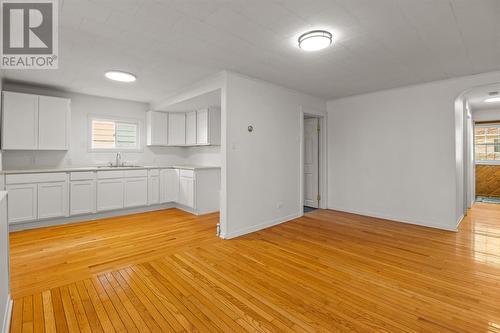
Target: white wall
82,106
392,154
204,155
263,167
486,115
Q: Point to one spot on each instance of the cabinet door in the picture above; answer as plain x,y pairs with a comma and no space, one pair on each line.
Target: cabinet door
186,192
169,185
157,127
53,123
176,129
136,192
52,200
20,121
83,197
154,190
202,127
21,202
109,194
191,128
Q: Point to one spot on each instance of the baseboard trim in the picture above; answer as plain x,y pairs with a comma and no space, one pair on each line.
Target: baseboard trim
261,226
7,315
87,217
460,219
393,218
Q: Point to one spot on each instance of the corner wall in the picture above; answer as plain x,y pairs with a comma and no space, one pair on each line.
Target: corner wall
263,166
393,154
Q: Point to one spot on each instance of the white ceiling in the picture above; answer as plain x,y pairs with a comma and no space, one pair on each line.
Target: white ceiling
172,43
477,95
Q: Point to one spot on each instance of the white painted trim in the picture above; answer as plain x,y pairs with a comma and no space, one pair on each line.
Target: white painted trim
7,315
393,218
261,226
460,219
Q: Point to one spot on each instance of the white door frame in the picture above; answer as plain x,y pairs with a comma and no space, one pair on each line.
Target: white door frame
322,151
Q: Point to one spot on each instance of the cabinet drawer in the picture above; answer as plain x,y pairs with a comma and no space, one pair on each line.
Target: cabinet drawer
154,172
187,173
36,178
135,173
109,174
82,175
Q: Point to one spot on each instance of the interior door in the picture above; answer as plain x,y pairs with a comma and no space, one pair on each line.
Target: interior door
311,163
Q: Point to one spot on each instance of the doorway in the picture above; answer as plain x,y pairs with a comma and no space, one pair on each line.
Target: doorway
311,189
481,107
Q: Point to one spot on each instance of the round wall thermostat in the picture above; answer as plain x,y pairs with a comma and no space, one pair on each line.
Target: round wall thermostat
250,128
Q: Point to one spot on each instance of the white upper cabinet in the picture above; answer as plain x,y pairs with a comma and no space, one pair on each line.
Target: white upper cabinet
53,123
32,122
176,128
202,127
20,121
157,126
194,128
208,125
191,128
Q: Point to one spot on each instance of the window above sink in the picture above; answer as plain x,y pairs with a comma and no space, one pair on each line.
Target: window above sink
107,134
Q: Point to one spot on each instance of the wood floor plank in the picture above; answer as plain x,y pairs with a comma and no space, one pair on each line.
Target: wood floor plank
38,318
99,307
327,271
118,305
48,312
16,324
69,310
58,308
27,314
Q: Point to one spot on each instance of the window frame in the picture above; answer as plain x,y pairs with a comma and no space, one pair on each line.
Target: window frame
138,122
484,125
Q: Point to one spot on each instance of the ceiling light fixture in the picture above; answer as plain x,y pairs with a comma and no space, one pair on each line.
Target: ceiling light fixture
120,76
315,40
492,100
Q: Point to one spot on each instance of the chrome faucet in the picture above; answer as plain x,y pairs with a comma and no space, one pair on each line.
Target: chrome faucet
118,161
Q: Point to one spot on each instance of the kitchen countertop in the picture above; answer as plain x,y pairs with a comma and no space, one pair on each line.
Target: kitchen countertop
107,168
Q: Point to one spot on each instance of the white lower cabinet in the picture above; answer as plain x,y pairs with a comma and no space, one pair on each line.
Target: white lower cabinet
38,196
82,197
154,187
109,194
52,200
136,192
22,202
169,185
186,192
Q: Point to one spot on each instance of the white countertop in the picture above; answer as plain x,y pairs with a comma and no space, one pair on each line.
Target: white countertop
106,168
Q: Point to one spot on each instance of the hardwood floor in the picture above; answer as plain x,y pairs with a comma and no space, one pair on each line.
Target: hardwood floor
325,272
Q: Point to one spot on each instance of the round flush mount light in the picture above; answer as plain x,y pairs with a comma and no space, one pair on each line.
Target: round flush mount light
315,40
492,100
120,76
